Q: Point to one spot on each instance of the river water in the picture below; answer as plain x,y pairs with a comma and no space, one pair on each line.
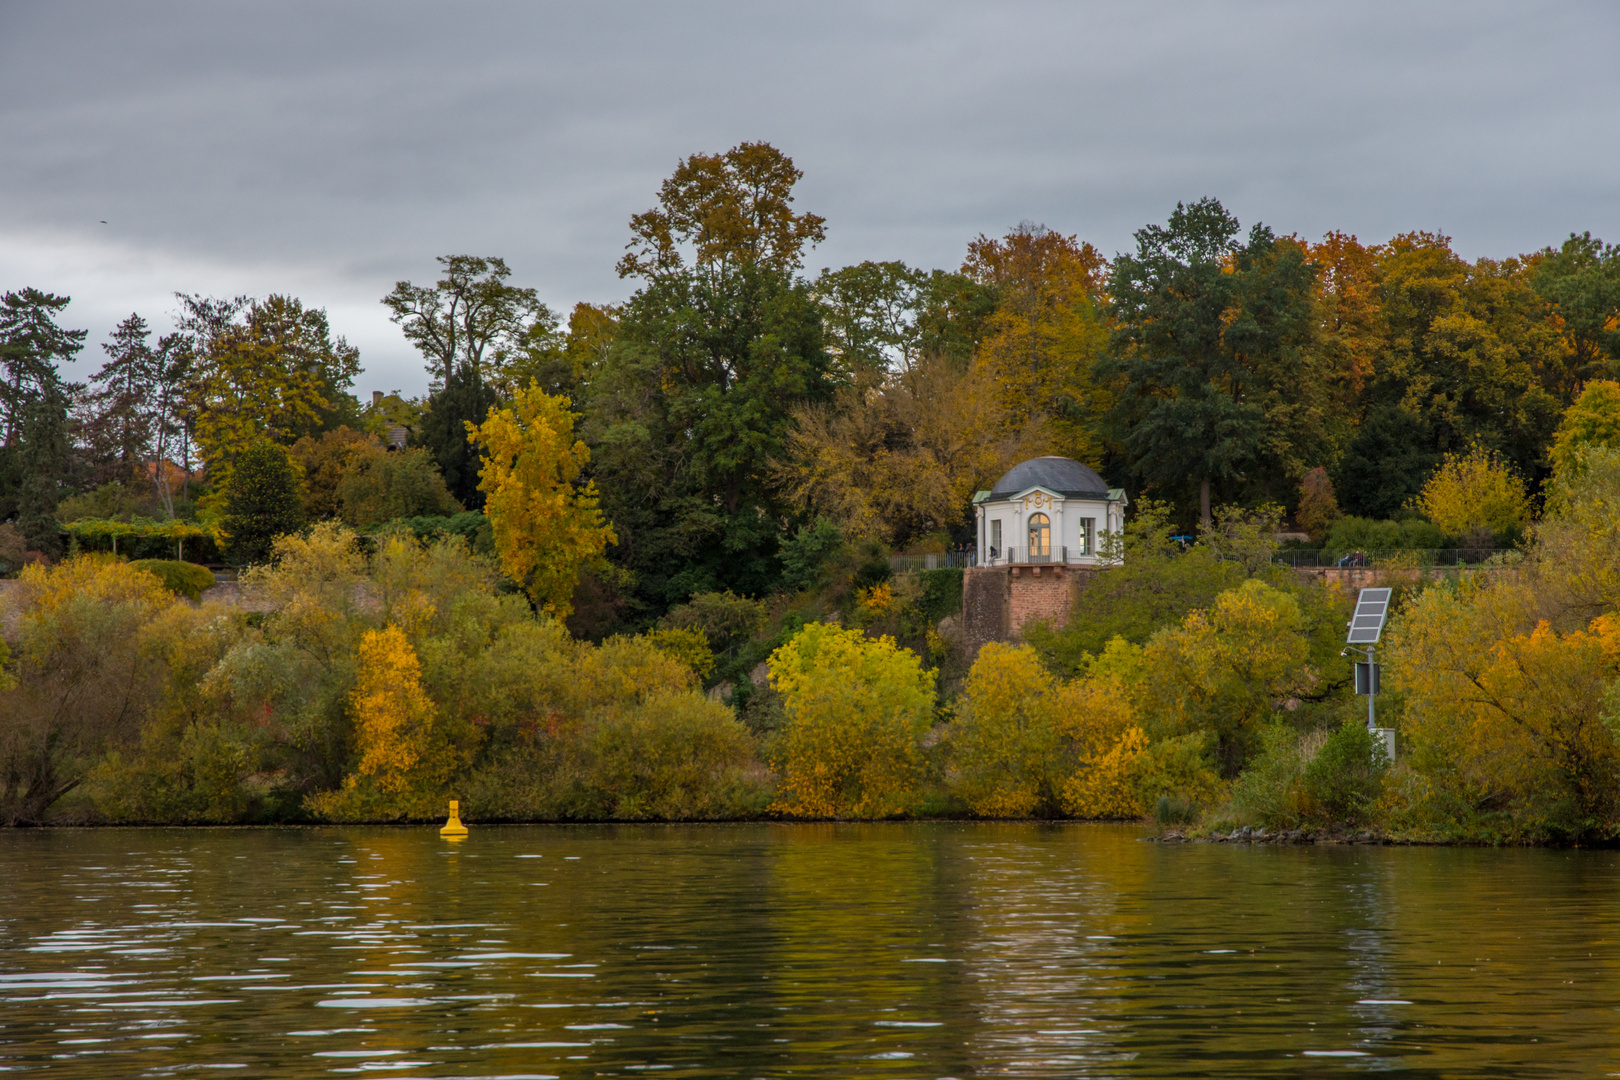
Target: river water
896,950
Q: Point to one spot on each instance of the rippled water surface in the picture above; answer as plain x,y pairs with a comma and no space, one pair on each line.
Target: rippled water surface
768,950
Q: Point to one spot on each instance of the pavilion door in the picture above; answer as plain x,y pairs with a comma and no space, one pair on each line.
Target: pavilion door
1040,538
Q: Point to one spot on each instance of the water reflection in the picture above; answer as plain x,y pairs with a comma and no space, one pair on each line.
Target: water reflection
773,950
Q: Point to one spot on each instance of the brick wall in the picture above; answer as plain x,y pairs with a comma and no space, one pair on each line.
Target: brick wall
997,602
1039,593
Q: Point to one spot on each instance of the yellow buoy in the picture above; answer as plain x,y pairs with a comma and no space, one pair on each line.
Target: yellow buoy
454,829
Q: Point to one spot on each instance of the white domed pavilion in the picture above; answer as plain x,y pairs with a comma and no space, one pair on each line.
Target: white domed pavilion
1046,510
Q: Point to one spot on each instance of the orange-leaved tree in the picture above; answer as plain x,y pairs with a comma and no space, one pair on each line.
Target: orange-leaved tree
547,526
392,712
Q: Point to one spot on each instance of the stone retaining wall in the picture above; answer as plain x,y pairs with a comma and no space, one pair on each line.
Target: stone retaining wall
999,601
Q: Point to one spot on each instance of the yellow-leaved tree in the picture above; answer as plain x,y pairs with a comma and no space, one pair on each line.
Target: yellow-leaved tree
1474,492
1006,746
1505,714
1025,742
857,709
547,526
1047,333
249,389
1594,420
1226,671
405,761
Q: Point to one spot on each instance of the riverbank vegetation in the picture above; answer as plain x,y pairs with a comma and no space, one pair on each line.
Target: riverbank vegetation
636,562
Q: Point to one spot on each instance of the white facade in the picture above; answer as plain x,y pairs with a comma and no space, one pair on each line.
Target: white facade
1047,522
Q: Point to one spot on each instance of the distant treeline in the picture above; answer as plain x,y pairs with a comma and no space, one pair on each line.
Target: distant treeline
636,564
734,398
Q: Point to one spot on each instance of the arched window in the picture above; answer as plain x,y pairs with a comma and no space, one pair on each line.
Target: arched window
1040,537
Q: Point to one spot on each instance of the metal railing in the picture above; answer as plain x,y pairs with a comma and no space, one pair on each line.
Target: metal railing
940,561
1016,556
1425,557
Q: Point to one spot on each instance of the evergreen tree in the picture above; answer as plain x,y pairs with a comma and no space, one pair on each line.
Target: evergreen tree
465,398
262,501
43,467
1214,348
35,452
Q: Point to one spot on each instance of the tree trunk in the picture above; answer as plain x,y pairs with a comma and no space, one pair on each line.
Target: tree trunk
1203,502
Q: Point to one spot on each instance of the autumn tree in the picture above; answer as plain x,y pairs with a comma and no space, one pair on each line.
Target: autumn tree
1227,670
261,369
1475,492
303,339
1468,352
248,392
471,320
1593,420
83,679
379,486
723,213
1046,335
1215,345
547,524
1581,280
903,459
857,709
1318,509
324,460
1504,713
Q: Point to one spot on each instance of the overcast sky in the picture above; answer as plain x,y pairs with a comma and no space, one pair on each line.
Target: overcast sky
328,149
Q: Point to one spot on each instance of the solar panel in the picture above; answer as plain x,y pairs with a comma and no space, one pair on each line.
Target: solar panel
1368,621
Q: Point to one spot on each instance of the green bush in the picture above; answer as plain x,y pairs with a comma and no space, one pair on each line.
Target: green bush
1345,778
181,578
941,593
1318,779
1364,534
1269,792
806,554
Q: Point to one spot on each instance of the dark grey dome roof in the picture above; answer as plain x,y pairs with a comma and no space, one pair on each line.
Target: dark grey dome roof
1059,475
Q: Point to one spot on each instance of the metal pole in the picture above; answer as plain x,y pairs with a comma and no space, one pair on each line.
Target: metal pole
1372,685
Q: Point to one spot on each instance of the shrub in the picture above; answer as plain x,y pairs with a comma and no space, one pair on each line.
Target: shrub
83,680
1346,776
725,619
1178,769
379,485
673,757
13,550
689,645
807,554
181,578
857,709
1270,791
1318,509
325,460
1005,743
1364,534
1174,810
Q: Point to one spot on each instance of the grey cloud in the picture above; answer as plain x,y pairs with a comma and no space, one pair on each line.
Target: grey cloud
328,149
